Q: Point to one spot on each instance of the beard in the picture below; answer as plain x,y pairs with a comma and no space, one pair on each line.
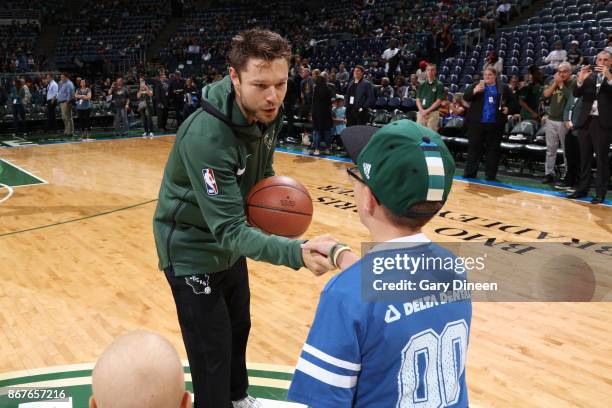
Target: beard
255,113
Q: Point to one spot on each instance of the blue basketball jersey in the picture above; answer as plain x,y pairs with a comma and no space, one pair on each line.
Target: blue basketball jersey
383,354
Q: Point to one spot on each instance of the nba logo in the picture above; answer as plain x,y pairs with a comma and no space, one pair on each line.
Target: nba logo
210,182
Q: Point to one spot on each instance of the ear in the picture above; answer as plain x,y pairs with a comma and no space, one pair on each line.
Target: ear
369,201
234,77
92,402
186,402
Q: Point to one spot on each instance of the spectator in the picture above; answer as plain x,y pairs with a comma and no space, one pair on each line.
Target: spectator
488,21
400,85
291,100
574,56
339,116
446,43
531,95
493,61
161,101
595,126
609,45
429,97
21,98
559,93
360,97
145,107
343,75
491,102
306,89
503,10
139,369
65,96
82,97
514,84
176,94
51,99
556,56
121,101
422,72
572,146
321,114
385,89
391,58
192,101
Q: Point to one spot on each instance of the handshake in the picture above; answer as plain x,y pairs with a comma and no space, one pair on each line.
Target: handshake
324,253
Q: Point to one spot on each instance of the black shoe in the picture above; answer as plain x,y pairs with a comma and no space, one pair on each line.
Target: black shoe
549,178
577,194
469,176
494,180
597,200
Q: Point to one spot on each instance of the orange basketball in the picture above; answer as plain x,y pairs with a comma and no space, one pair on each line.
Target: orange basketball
280,205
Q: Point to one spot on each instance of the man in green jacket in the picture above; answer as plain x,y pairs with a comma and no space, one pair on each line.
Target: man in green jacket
221,151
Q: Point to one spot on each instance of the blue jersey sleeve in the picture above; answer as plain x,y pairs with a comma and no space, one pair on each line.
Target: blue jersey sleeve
329,365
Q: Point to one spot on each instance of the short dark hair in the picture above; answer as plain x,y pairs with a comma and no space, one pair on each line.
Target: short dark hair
491,69
257,43
360,67
425,207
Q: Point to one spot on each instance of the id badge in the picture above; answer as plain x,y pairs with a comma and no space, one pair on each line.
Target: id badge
14,101
352,100
491,100
424,102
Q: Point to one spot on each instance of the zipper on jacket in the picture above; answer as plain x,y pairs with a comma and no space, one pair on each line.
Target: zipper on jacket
174,213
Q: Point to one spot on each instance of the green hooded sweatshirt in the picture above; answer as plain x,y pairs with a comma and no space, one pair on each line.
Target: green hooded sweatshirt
200,224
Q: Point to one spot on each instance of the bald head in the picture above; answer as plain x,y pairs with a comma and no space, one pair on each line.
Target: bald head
138,370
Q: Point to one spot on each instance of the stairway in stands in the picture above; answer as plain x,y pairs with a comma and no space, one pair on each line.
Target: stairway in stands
170,29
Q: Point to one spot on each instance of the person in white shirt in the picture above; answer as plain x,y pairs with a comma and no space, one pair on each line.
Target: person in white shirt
422,72
503,10
52,89
391,57
556,56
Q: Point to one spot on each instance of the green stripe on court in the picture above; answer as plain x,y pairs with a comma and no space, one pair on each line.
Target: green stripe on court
14,176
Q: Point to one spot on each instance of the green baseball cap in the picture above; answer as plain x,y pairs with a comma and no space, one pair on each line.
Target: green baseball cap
403,163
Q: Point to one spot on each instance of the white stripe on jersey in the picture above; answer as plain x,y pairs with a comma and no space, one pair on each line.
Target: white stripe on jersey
321,374
330,359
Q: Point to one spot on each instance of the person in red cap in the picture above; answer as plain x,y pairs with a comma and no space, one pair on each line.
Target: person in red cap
422,72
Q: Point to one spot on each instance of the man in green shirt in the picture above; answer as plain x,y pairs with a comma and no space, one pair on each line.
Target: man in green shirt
429,97
559,92
221,151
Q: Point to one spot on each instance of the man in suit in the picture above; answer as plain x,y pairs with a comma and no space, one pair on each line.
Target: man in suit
359,98
491,101
594,125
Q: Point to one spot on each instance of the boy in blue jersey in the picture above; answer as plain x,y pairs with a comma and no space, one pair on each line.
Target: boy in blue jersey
376,349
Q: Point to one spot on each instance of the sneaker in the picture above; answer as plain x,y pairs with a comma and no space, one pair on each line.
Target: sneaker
316,153
248,402
549,178
151,134
145,134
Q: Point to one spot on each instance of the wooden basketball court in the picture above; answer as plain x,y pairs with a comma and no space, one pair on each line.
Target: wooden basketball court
79,268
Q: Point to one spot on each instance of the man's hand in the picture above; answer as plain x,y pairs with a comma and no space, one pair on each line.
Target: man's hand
505,110
558,80
584,73
569,125
423,113
315,256
479,88
346,258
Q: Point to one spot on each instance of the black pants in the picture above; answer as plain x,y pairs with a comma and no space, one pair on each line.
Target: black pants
354,117
84,119
572,155
594,138
215,330
19,118
51,121
162,117
483,138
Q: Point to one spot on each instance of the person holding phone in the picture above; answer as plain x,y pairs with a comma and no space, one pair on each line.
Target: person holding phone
491,101
145,106
594,124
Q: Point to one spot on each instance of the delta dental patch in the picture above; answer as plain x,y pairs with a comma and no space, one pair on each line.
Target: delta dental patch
210,182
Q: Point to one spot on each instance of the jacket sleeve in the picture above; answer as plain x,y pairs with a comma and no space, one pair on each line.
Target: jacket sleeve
221,204
469,94
370,96
579,90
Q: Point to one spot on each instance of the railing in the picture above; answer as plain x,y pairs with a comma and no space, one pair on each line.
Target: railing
6,16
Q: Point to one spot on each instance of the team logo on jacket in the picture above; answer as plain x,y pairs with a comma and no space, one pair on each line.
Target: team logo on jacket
210,182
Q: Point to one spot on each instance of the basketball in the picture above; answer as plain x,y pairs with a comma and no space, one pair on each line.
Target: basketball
280,205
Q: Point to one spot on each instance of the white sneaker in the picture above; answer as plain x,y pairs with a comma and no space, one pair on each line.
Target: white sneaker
151,134
145,134
248,402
